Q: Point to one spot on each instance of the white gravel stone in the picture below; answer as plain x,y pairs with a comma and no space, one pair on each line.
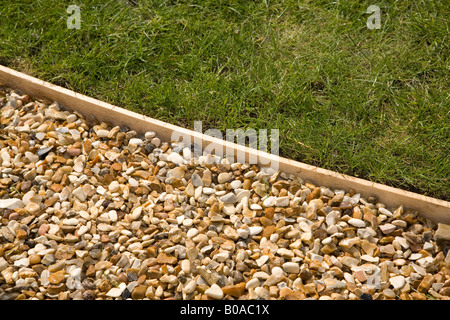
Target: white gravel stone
208,191
282,202
387,228
175,158
191,233
102,133
136,141
357,223
150,135
214,292
252,283
114,186
11,204
397,282
82,230
243,233
370,259
400,223
261,275
136,213
40,135
133,183
291,267
254,230
224,177
71,222
255,206
79,194
229,209
112,215
186,266
190,286
187,153
235,184
71,118
229,198
21,263
250,174
156,141
262,260
385,211
269,202
116,292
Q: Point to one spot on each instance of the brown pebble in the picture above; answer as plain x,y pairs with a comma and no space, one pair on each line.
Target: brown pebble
14,216
295,295
141,279
139,292
34,259
104,286
265,221
360,275
405,296
164,258
236,290
90,272
56,277
370,217
56,288
59,265
117,166
305,274
357,214
122,277
284,291
43,229
313,195
56,187
63,295
73,152
26,186
269,212
51,201
247,184
268,231
154,274
426,283
445,291
21,234
417,296
104,238
386,240
140,191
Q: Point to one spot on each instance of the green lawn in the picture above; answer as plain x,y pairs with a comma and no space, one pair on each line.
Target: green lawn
369,103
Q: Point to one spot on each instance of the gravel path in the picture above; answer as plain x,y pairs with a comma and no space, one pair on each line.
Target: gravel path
95,211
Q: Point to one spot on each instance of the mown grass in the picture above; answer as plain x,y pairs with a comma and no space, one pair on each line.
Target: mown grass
369,103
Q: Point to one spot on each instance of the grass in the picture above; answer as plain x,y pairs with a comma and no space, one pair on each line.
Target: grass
369,103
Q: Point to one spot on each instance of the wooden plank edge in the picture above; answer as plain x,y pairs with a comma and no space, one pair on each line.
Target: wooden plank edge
434,209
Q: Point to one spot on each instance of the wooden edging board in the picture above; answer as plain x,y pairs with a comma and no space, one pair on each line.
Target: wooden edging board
434,209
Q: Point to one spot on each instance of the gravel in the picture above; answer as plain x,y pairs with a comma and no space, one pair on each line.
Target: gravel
91,210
